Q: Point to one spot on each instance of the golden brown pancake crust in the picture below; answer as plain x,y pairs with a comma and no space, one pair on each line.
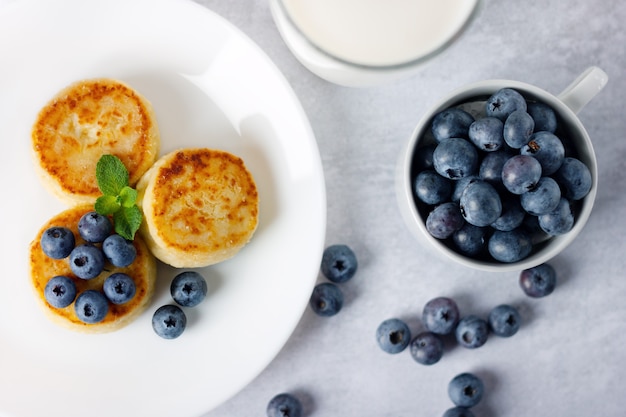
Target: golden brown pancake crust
143,272
84,121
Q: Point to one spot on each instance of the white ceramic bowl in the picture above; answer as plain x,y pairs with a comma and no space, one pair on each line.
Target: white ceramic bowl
566,105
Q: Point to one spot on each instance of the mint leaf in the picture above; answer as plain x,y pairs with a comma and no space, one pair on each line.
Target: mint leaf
111,175
127,197
127,221
107,204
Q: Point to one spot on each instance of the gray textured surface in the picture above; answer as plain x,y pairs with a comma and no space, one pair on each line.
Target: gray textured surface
568,358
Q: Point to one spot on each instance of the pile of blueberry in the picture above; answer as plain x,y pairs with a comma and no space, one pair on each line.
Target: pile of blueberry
339,264
188,289
87,261
494,186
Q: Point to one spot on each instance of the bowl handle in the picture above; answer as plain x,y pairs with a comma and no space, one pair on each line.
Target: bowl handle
584,88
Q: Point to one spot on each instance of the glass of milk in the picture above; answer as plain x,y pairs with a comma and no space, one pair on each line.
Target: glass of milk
362,43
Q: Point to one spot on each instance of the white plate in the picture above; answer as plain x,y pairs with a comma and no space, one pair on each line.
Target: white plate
210,86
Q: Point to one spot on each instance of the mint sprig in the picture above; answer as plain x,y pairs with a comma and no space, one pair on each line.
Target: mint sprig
118,199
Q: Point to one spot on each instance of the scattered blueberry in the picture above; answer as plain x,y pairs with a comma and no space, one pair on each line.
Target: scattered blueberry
86,261
91,306
57,242
339,263
426,348
455,158
440,315
327,299
188,288
575,178
60,291
119,251
284,405
546,148
169,321
480,203
518,128
542,199
538,281
444,220
521,173
504,102
510,246
466,390
94,227
559,221
119,288
504,320
451,123
472,332
458,412
486,134
432,188
393,335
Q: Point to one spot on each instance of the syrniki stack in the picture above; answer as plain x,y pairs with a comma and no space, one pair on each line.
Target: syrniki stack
84,121
200,206
42,268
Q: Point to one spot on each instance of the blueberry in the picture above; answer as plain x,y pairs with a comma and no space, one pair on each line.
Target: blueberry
119,251
91,306
327,299
119,288
543,198
188,288
543,115
431,188
284,405
423,157
512,215
86,261
440,315
466,390
480,203
458,412
559,221
504,102
504,320
490,168
455,158
538,281
57,242
339,263
521,173
518,128
486,134
575,178
393,335
60,291
511,246
470,240
459,185
94,227
426,348
451,123
546,148
444,220
471,332
169,321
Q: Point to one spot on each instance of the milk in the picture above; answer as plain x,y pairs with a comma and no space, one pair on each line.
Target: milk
379,32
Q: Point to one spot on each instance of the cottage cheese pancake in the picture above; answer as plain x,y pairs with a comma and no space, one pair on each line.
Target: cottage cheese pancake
200,207
84,121
42,268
